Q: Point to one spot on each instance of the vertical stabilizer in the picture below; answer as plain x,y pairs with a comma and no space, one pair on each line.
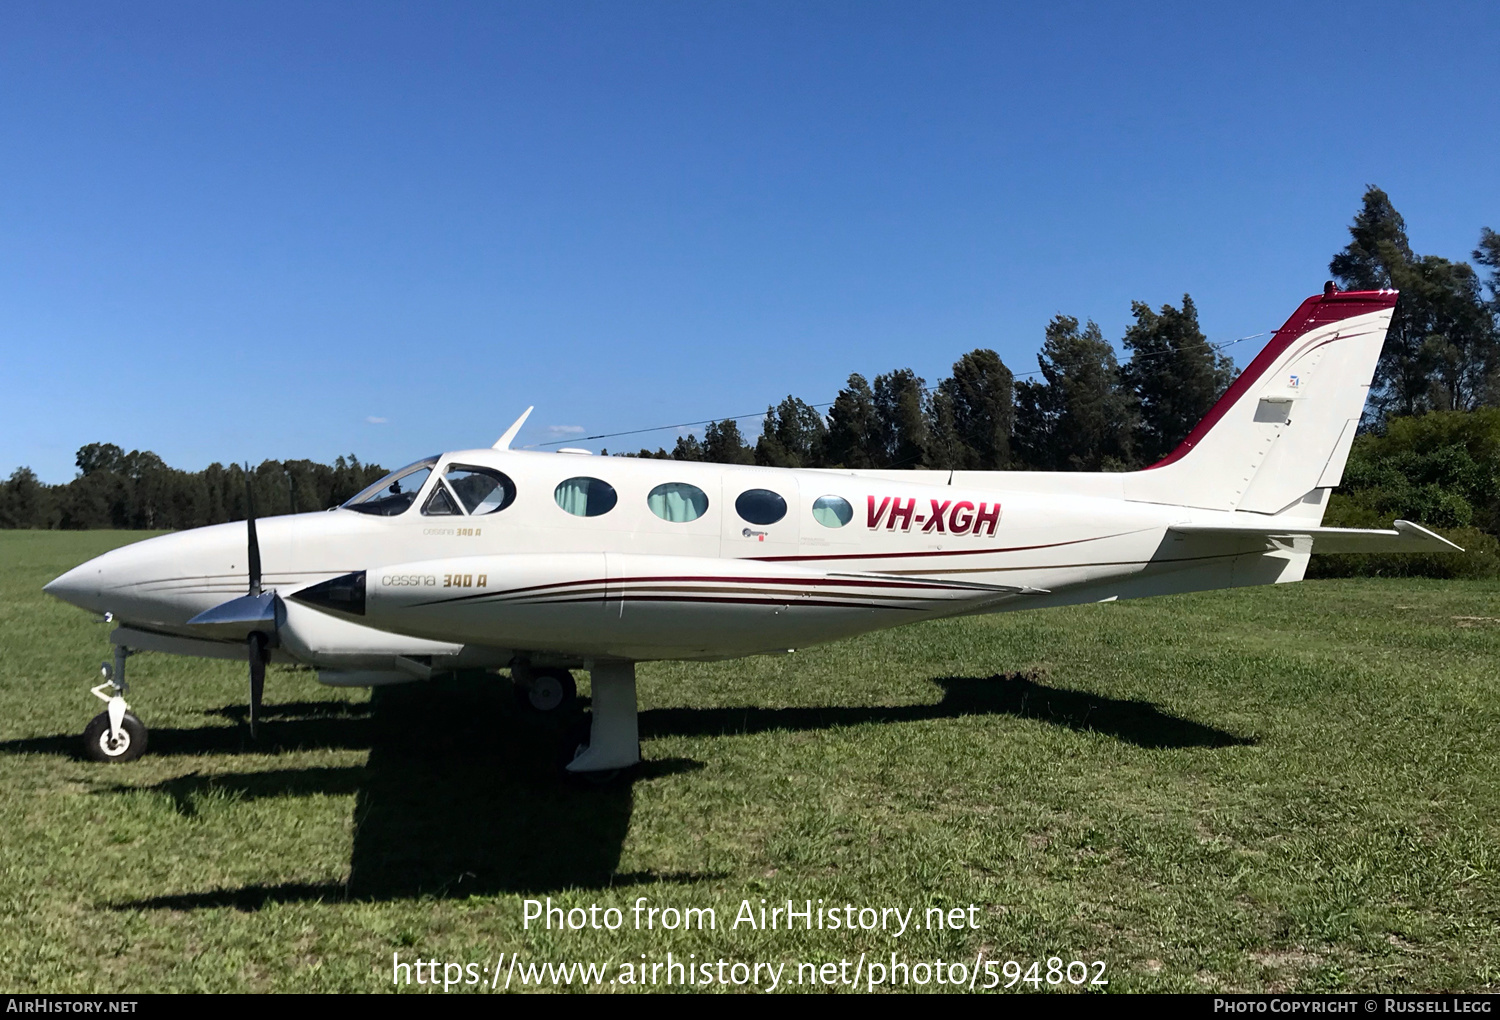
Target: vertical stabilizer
1282,431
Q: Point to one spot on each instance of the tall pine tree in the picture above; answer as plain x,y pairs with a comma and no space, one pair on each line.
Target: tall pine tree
723,444
1078,416
1441,351
900,432
1174,374
1458,341
793,435
687,448
1488,255
851,426
970,415
1377,257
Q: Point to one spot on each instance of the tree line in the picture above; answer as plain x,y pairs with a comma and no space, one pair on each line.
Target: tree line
1084,409
115,489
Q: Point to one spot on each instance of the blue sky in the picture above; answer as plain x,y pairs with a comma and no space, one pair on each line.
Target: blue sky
240,231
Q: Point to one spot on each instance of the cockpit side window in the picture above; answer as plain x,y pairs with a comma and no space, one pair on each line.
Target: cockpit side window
394,493
440,504
482,490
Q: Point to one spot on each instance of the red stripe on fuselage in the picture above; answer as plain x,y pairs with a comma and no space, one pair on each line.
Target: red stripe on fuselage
830,581
620,582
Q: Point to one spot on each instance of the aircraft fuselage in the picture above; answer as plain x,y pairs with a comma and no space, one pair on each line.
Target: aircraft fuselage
537,578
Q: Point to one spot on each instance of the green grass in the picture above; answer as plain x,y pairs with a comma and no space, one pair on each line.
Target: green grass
1291,788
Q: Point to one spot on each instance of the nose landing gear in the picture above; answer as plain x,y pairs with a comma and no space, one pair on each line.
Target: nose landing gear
114,735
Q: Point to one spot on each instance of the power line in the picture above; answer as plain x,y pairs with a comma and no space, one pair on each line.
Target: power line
760,414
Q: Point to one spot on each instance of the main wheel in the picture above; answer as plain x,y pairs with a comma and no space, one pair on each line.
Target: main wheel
551,690
129,746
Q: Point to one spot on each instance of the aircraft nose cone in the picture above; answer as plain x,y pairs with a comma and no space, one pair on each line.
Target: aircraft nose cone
342,594
78,587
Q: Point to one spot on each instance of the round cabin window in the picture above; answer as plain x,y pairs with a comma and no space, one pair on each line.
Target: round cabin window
678,502
832,511
585,497
760,506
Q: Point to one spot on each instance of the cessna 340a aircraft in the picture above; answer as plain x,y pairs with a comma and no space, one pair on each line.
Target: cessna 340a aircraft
547,562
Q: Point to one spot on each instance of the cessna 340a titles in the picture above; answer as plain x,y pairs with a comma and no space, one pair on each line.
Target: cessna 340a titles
542,563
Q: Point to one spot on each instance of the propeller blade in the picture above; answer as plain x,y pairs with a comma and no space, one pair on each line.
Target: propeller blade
250,527
257,645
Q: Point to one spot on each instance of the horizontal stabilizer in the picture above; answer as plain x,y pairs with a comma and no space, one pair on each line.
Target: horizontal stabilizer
1405,538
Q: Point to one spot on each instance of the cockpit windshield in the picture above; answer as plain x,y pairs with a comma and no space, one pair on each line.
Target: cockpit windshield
395,492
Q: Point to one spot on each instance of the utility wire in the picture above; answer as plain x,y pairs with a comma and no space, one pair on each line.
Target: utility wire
761,414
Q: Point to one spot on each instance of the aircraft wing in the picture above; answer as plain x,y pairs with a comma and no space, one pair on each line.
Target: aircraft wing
1405,537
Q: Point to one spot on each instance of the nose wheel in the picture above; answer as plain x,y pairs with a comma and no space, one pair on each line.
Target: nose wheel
115,735
107,743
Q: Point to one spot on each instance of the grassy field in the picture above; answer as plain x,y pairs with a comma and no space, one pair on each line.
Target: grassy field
1268,789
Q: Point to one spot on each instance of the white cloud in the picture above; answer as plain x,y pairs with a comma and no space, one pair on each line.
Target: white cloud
376,421
565,430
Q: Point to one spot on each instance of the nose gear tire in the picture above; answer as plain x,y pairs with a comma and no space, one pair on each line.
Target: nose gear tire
128,746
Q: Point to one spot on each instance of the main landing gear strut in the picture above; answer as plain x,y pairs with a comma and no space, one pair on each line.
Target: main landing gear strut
614,737
114,735
612,741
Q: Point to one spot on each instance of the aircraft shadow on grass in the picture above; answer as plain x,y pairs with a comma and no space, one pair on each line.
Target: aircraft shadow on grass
462,795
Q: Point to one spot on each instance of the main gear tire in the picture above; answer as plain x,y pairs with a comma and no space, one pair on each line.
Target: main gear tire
550,691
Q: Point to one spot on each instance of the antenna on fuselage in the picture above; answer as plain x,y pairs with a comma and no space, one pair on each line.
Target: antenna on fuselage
503,443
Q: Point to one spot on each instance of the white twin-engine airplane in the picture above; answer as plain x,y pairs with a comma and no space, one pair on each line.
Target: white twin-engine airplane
546,562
